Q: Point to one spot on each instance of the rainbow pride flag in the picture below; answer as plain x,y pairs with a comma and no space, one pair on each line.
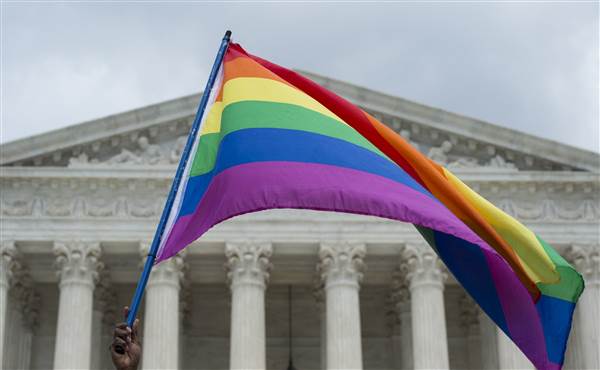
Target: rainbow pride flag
271,138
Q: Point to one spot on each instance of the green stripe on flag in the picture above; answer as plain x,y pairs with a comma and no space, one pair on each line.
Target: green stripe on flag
259,114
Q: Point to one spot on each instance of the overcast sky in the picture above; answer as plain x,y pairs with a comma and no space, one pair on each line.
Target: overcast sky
530,67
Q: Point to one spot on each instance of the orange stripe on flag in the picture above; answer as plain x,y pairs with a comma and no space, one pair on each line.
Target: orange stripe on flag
436,182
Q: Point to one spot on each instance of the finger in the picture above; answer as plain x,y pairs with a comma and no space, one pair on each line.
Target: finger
121,330
121,325
136,325
126,312
122,333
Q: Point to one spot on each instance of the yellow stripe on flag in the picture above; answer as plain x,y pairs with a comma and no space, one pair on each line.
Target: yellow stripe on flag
537,264
213,120
263,89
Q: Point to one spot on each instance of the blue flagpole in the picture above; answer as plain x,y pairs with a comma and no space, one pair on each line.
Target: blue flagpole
139,291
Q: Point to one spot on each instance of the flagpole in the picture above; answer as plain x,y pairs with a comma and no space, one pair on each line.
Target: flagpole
139,291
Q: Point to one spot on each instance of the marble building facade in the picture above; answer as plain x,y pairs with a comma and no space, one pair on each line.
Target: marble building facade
79,206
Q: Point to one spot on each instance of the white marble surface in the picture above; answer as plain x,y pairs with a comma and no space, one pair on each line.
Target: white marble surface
426,283
161,317
509,355
78,266
248,265
341,269
586,259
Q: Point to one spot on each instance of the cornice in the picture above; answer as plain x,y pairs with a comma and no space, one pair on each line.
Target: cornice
165,172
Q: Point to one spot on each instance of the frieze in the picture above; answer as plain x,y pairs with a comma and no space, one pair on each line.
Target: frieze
81,207
17,207
150,206
140,193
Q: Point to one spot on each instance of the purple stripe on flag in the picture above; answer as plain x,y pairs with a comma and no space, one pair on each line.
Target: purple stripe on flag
521,316
267,185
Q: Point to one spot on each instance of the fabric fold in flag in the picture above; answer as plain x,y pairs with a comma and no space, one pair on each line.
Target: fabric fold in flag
271,138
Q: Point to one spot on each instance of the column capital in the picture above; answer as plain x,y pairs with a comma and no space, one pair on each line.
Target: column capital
248,263
78,262
9,262
341,262
422,266
169,272
586,259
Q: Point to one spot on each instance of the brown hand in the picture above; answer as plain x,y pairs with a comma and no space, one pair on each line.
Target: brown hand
126,348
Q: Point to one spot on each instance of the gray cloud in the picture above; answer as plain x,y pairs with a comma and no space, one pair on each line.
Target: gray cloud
530,67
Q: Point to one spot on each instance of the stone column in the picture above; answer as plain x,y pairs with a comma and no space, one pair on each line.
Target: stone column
470,323
185,315
341,267
572,355
20,331
426,277
27,304
586,260
13,337
509,355
160,348
401,300
489,342
78,268
19,312
8,263
406,328
248,270
25,342
104,317
319,294
394,328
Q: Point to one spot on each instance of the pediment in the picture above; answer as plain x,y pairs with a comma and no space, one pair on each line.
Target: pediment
154,136
146,136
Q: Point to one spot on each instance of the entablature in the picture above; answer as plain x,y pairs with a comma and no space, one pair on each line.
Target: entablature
125,204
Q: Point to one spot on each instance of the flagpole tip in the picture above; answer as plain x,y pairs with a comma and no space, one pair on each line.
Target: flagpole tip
228,34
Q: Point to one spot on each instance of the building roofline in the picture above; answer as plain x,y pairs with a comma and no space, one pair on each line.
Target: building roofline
89,131
184,107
